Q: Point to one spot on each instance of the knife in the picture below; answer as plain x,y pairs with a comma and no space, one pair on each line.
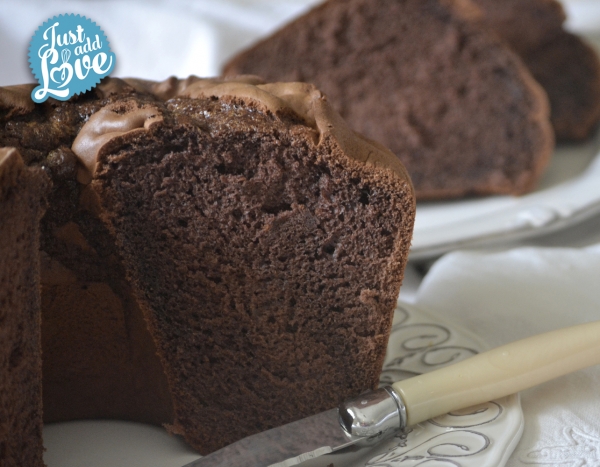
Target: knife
369,418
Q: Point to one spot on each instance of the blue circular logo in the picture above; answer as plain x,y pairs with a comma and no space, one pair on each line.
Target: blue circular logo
68,54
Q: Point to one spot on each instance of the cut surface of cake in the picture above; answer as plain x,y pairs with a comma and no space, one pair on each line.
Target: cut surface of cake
566,66
261,240
22,191
426,79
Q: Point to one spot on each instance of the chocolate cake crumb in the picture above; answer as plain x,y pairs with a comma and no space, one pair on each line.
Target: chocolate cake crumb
253,243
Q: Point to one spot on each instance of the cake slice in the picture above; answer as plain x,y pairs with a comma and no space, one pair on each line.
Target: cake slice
21,206
567,67
426,79
265,242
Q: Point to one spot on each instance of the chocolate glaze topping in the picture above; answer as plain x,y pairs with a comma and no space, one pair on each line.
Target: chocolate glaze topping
106,124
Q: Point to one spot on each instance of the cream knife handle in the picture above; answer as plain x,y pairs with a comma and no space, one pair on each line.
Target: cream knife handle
500,372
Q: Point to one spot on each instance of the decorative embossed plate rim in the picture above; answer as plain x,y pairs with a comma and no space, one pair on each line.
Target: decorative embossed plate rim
481,436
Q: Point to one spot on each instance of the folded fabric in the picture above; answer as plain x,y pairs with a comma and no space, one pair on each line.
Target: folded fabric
505,296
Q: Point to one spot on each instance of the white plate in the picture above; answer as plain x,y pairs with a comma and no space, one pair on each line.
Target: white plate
568,193
483,436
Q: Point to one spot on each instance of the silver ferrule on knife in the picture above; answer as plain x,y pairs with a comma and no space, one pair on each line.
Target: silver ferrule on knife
374,414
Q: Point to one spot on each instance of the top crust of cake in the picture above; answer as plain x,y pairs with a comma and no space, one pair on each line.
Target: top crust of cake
300,99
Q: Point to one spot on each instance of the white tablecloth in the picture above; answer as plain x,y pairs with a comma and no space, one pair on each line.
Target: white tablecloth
513,294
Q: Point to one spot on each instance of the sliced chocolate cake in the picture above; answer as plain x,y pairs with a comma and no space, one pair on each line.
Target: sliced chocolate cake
567,67
263,241
426,79
21,207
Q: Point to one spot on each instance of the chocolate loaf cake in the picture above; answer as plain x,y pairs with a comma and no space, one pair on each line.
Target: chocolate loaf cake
567,67
21,206
263,241
426,79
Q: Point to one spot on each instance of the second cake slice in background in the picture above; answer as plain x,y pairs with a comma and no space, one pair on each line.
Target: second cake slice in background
426,79
566,66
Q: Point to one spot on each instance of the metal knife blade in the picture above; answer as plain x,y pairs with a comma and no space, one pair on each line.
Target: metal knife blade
376,415
285,446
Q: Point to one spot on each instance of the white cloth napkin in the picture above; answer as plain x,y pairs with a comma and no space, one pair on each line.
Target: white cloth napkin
583,15
505,296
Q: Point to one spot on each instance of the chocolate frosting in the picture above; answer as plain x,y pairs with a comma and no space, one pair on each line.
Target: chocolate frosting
106,124
301,99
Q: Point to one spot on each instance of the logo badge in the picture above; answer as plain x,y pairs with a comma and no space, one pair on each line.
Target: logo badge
68,55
